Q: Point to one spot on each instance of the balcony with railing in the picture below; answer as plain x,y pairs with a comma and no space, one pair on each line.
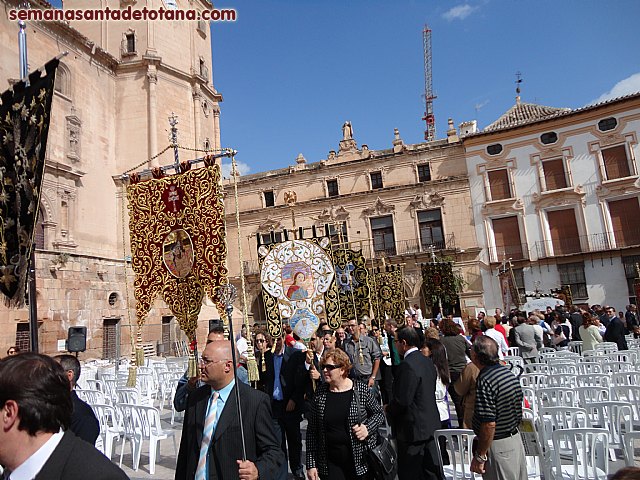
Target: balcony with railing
413,247
596,242
518,251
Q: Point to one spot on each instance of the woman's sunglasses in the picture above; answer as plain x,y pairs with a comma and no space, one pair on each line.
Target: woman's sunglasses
328,366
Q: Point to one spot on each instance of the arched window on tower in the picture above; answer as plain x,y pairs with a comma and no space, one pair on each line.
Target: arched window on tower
63,80
38,237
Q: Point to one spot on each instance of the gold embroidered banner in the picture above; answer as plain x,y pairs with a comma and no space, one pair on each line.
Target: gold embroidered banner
178,245
389,297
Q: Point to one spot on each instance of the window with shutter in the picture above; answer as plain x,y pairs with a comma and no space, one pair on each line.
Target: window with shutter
616,163
499,184
554,174
506,234
564,231
572,274
624,220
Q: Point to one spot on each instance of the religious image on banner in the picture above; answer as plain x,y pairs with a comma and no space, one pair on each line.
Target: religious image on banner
389,298
296,274
25,113
508,289
439,283
178,245
352,280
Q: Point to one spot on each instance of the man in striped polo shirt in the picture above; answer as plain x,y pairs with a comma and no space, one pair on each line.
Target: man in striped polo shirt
498,453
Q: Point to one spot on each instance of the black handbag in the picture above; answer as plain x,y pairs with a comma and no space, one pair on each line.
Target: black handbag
381,459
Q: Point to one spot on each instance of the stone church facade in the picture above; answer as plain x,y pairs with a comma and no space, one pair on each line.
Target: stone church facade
115,90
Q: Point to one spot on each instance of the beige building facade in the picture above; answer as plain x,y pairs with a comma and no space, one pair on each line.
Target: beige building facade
398,205
115,90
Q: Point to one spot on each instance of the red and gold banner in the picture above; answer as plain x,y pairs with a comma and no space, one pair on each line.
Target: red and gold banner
178,244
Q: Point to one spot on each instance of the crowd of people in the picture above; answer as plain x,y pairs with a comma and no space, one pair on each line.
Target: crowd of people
347,383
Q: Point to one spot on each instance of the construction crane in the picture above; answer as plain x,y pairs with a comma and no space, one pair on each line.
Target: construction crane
429,97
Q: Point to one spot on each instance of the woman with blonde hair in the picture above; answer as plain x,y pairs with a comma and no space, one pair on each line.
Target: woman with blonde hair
337,436
503,348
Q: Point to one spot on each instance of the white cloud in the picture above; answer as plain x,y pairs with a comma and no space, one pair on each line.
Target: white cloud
623,87
459,12
479,106
243,169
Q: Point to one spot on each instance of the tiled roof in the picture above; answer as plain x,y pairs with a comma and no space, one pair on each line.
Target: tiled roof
522,113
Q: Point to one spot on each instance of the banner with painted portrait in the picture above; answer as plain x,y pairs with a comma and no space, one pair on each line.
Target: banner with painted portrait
178,248
296,276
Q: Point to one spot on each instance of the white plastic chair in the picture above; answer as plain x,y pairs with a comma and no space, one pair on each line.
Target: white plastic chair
568,381
128,395
547,350
545,357
144,424
594,380
529,394
615,417
563,369
624,357
111,427
616,367
591,394
625,378
513,351
459,448
576,347
628,394
589,368
606,347
535,380
629,447
514,360
90,396
556,397
536,368
588,447
564,354
559,418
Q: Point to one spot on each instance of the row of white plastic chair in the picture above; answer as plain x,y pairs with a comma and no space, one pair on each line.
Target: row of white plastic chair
568,454
135,423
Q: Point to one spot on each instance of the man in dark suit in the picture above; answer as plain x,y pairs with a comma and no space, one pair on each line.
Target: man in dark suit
286,380
211,445
35,411
615,331
83,421
413,412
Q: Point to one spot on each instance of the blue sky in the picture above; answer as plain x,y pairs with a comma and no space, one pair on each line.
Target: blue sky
292,72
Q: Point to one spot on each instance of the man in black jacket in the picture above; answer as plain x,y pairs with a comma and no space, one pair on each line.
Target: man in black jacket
413,412
285,381
35,414
211,446
615,330
83,421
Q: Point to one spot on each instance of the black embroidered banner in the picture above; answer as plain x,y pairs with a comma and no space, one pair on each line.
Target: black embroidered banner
352,280
438,282
389,299
25,113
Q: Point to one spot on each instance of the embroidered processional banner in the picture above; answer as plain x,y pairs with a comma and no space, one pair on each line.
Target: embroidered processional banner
297,286
352,280
178,245
25,113
438,282
388,301
508,289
